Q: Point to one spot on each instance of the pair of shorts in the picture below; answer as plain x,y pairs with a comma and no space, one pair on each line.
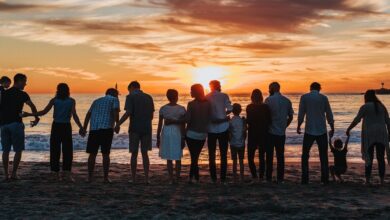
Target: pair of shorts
100,138
12,135
240,151
137,140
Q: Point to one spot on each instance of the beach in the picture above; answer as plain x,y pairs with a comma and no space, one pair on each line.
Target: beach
37,196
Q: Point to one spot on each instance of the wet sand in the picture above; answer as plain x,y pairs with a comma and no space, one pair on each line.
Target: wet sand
36,196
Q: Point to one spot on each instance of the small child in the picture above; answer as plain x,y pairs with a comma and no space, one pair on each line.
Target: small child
237,140
340,158
170,133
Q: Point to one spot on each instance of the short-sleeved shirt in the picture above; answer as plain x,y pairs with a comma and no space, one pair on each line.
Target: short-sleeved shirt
140,106
340,157
220,104
237,131
63,110
281,109
102,110
12,104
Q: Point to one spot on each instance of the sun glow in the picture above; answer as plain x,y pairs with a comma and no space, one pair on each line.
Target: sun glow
204,75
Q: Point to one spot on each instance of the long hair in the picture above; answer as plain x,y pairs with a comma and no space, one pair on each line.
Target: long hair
197,92
370,96
257,96
63,91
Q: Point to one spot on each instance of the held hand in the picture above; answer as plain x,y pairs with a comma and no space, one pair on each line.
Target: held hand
331,133
348,132
35,122
299,130
117,129
82,132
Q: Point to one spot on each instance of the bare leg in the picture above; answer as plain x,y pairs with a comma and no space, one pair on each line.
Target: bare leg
170,171
17,158
91,166
134,156
106,167
235,169
178,170
145,161
241,170
5,165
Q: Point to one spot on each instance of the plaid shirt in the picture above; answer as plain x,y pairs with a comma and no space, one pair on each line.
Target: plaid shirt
102,112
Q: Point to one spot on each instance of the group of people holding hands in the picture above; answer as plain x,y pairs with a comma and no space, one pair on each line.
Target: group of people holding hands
206,118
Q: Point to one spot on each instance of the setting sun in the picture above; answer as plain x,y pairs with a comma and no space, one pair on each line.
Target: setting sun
204,75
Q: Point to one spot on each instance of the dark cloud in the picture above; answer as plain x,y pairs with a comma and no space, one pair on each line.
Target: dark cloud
267,46
137,46
258,15
380,44
379,30
95,26
8,7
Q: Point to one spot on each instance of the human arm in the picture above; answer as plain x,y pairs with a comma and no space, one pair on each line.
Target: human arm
159,128
290,115
329,116
77,119
86,121
43,112
356,121
301,114
34,111
346,143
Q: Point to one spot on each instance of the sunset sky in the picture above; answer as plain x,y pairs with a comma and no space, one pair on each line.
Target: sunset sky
92,44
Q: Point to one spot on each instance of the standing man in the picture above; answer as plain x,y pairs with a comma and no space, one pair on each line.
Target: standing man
139,108
316,108
12,127
218,129
282,115
103,114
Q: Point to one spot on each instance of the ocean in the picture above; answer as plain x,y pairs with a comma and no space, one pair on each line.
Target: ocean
345,107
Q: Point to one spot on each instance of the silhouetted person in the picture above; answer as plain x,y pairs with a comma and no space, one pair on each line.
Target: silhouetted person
197,118
258,120
61,131
237,130
170,133
103,114
5,83
339,151
375,133
282,115
12,127
316,109
140,108
218,129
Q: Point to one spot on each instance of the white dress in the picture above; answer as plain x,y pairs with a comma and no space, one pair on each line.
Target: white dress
170,147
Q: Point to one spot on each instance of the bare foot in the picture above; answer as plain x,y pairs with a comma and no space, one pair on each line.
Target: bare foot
15,177
107,180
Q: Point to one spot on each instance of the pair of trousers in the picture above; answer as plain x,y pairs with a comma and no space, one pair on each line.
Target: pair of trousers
258,142
61,141
380,156
322,142
195,148
276,143
223,141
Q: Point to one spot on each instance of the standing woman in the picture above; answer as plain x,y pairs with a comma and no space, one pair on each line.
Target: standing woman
375,133
197,118
61,130
259,121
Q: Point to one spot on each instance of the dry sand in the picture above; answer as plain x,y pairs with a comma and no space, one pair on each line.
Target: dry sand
36,196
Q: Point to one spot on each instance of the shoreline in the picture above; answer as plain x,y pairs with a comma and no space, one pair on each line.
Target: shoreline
38,196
